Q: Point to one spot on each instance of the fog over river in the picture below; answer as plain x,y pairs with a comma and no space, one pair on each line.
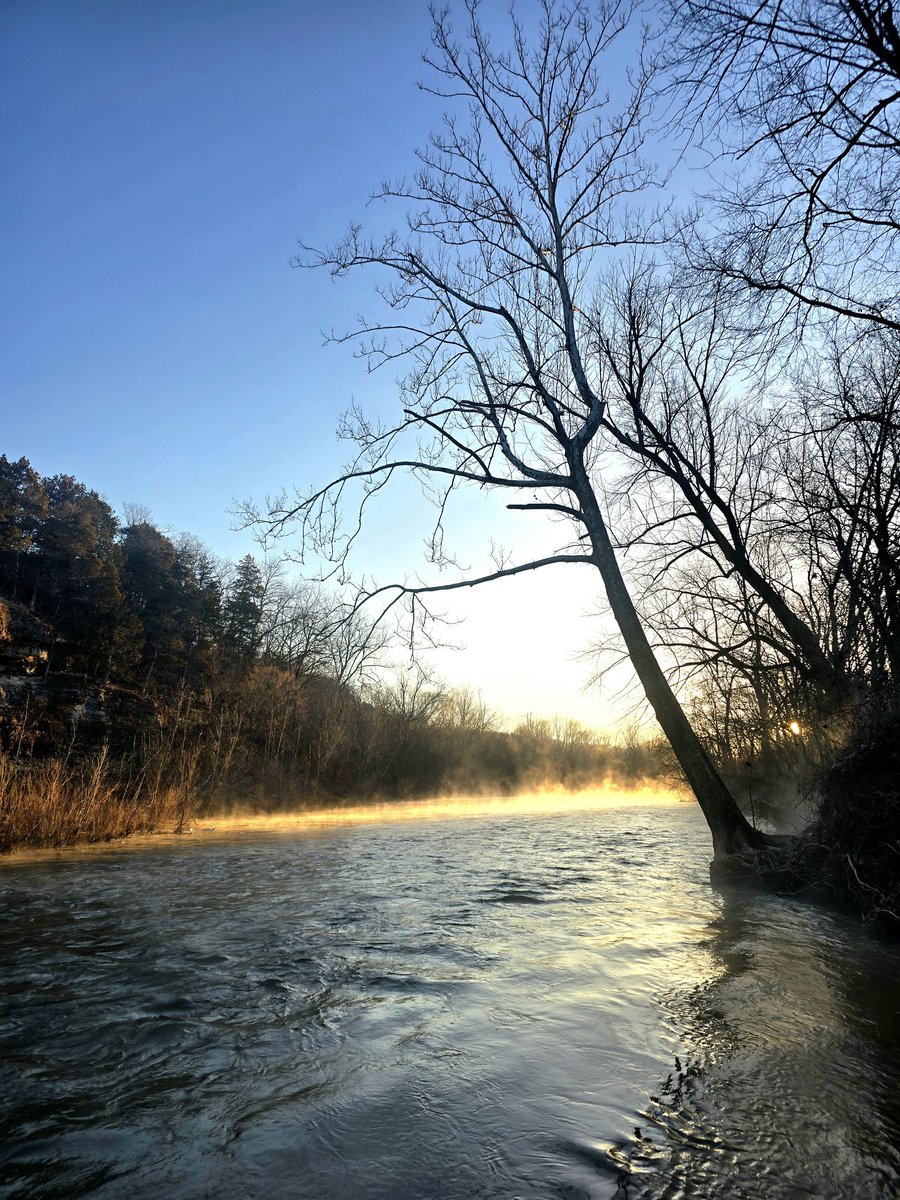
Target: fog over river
539,1006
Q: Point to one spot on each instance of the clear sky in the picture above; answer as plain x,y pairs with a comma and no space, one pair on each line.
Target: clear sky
160,161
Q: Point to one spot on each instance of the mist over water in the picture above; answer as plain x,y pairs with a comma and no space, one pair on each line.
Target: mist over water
513,1004
544,800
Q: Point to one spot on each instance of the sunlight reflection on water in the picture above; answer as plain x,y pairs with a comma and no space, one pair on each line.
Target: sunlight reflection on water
471,1005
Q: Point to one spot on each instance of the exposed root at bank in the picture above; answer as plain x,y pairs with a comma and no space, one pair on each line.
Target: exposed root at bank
858,831
803,865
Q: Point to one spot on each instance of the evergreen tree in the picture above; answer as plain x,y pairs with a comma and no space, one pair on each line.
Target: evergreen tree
151,584
243,608
23,507
200,578
73,577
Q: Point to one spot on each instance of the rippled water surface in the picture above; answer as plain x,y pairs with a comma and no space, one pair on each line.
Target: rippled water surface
500,1006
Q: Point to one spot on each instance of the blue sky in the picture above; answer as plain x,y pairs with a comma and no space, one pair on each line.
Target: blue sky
160,161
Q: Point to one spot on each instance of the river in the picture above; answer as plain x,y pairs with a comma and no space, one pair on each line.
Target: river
497,1005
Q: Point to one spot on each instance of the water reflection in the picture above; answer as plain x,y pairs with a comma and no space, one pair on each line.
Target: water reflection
437,1011
788,1083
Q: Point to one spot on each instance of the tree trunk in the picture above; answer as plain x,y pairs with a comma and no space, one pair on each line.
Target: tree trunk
731,831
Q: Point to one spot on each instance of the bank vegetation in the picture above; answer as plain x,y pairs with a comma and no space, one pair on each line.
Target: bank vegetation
145,682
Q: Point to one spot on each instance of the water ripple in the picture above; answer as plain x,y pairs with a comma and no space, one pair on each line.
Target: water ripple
550,1006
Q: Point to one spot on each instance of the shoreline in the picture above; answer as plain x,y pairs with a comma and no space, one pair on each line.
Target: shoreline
234,822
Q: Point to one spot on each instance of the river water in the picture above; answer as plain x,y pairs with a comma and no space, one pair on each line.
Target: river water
550,1006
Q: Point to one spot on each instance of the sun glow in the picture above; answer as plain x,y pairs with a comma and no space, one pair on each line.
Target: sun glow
794,727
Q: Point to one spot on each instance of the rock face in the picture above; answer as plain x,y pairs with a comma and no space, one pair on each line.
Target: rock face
25,640
56,713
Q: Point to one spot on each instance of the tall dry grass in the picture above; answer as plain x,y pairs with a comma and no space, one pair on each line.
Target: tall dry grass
59,801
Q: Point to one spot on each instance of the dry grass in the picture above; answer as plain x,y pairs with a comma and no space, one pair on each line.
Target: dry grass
59,801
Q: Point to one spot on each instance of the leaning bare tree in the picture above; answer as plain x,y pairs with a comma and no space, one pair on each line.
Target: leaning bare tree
534,185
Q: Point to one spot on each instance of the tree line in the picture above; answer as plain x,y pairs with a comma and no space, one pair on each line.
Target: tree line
122,600
203,683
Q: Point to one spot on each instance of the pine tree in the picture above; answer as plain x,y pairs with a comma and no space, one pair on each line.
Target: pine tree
243,608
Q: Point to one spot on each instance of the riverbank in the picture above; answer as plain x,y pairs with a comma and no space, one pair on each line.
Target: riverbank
85,761
51,809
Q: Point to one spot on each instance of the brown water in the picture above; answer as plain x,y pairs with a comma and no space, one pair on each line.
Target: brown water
498,1006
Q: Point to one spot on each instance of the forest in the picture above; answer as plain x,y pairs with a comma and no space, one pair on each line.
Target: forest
144,681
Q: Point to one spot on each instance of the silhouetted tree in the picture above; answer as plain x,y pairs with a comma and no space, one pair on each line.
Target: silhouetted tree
676,365
767,536
841,458
514,206
804,97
